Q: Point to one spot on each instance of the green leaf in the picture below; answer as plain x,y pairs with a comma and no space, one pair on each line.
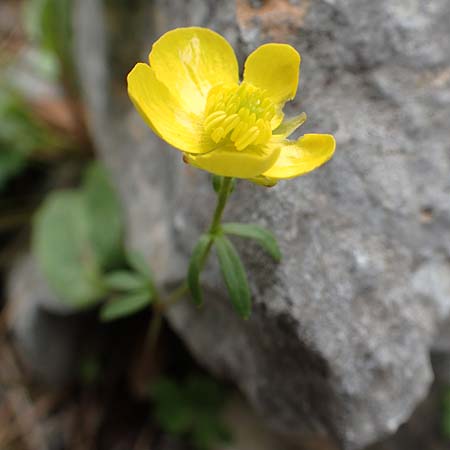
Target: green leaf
125,306
264,237
207,398
49,22
234,275
172,409
205,393
11,164
105,215
77,234
208,431
195,267
61,243
137,262
125,281
192,409
20,134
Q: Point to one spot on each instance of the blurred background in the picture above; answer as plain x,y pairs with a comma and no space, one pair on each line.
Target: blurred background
70,379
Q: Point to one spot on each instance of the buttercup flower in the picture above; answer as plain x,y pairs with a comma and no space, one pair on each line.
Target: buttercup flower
191,97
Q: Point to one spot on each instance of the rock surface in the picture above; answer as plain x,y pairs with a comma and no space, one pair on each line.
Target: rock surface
338,343
46,336
422,429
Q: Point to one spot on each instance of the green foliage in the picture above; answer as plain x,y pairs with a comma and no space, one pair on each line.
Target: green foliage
125,281
48,22
234,275
138,263
104,211
262,236
20,135
68,243
132,291
230,263
125,305
445,417
191,410
67,257
195,267
11,163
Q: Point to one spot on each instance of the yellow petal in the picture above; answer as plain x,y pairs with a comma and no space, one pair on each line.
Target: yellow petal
228,162
163,113
277,118
264,181
302,156
288,126
275,68
189,61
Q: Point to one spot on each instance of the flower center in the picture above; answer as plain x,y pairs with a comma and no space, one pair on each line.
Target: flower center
241,114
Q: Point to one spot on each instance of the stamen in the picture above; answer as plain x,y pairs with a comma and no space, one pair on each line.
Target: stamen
230,122
214,120
241,114
240,127
217,134
247,138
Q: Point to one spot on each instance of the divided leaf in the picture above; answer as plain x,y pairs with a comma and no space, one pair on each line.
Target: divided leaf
125,306
263,237
234,275
195,267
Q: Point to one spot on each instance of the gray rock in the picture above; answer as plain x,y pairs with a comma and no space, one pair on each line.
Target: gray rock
45,335
422,429
338,343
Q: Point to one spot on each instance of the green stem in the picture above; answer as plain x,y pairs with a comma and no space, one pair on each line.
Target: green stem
224,193
175,295
222,197
160,306
154,329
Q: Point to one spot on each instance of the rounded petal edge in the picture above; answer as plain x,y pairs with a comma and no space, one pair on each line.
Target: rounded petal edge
274,68
189,61
161,111
228,162
302,156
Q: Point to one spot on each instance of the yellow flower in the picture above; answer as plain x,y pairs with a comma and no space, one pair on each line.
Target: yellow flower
191,97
